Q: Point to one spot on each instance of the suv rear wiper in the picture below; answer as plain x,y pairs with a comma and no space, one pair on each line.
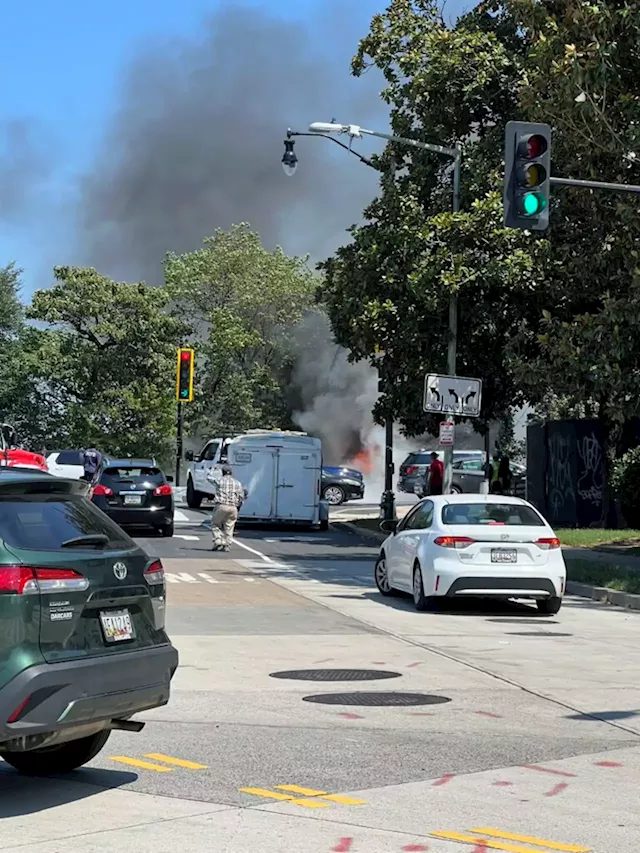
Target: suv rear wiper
97,539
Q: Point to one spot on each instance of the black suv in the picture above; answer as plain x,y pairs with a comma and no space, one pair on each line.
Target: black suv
134,492
82,607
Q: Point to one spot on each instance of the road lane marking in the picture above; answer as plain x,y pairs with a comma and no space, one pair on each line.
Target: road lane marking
179,762
324,795
253,551
177,577
186,536
178,515
207,577
143,765
530,839
484,841
274,795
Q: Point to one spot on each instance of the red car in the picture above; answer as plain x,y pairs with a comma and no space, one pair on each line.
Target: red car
11,455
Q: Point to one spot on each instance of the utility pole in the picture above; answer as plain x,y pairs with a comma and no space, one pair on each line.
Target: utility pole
184,394
178,443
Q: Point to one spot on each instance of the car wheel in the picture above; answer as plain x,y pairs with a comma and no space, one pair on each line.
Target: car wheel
334,495
422,602
382,578
549,606
167,530
62,758
194,499
456,490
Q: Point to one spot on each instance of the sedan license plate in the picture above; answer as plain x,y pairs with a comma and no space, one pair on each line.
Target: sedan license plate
504,555
117,625
133,500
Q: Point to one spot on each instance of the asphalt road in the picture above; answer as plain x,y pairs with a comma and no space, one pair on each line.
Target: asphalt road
534,743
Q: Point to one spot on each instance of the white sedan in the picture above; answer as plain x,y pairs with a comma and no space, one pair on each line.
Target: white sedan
473,545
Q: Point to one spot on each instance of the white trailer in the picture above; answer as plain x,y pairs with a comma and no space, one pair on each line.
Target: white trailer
282,472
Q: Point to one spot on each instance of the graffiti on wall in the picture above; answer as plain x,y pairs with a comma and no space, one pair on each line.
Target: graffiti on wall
561,492
591,482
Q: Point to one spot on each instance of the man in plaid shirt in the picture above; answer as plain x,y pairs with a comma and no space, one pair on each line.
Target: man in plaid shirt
228,497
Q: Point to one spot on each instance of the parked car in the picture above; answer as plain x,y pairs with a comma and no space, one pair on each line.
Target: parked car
135,493
341,484
66,463
83,646
473,545
415,467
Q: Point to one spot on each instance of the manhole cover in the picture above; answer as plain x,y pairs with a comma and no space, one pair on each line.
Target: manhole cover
538,634
336,674
376,699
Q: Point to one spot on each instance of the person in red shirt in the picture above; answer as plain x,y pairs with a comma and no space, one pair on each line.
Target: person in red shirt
436,475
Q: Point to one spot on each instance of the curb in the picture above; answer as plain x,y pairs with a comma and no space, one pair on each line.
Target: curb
596,593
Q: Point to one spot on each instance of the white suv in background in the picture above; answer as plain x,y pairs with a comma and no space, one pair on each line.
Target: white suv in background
66,463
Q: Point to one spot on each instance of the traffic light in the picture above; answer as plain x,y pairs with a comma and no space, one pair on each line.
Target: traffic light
527,169
184,375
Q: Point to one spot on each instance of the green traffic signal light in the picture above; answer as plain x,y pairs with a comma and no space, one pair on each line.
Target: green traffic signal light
533,204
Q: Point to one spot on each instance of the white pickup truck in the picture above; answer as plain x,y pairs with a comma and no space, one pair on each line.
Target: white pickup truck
281,471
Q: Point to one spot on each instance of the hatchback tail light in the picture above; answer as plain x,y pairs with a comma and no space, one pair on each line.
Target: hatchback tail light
162,491
26,580
548,544
99,490
410,469
453,541
154,573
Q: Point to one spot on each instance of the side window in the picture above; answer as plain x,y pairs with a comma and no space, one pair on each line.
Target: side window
472,465
210,451
423,518
406,521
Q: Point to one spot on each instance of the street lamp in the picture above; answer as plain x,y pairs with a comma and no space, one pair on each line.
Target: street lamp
289,159
354,131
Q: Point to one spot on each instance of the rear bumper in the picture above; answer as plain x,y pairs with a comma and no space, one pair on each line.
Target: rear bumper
408,484
78,693
505,587
140,517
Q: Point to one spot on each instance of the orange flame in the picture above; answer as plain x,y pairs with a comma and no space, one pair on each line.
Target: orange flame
363,461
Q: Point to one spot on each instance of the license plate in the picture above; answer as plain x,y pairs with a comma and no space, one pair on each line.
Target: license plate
133,500
117,625
504,555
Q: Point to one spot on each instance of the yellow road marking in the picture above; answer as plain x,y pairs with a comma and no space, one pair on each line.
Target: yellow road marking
311,792
179,762
483,841
273,795
529,839
144,765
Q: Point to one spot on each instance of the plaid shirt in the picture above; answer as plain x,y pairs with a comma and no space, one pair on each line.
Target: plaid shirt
228,491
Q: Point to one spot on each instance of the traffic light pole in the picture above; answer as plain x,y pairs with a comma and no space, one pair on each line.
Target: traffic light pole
178,443
595,185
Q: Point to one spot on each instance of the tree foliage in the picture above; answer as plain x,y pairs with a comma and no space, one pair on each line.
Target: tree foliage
240,302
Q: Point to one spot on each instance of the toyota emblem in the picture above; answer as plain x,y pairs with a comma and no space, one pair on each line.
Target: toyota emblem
504,537
120,571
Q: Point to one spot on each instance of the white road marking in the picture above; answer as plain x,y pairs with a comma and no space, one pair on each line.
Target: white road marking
180,576
178,515
207,577
185,536
253,551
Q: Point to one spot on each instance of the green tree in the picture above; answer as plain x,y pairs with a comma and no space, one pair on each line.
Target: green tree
104,369
241,302
392,284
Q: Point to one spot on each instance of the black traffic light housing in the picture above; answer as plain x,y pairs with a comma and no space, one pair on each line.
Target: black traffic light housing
527,170
184,375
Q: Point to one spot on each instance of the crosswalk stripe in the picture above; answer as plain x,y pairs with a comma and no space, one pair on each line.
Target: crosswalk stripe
311,792
529,839
207,577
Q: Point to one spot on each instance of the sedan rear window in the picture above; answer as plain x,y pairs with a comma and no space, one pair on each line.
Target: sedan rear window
137,475
491,513
418,459
45,522
70,457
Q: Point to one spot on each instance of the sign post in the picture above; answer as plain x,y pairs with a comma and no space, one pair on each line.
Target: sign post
451,395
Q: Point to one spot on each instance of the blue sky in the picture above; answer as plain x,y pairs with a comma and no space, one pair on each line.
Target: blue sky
61,68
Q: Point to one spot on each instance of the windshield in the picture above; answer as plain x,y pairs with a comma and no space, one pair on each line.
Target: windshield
491,513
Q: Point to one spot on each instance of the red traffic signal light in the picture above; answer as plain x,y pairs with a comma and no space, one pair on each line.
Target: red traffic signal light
184,375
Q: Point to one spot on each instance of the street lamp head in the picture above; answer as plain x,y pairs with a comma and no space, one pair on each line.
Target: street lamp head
289,159
326,127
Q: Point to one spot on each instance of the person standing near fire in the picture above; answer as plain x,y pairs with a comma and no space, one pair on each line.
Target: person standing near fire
435,476
229,495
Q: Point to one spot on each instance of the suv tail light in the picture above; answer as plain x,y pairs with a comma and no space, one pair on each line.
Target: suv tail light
162,491
410,469
154,573
453,541
99,489
26,580
548,544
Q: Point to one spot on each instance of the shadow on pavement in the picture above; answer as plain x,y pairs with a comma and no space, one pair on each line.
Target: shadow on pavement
25,795
459,607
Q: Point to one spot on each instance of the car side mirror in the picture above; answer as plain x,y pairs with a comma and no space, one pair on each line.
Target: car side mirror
389,525
189,455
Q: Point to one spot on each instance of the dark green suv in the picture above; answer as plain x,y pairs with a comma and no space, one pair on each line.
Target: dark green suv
82,640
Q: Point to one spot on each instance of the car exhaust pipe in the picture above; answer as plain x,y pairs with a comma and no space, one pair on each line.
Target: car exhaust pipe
127,725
